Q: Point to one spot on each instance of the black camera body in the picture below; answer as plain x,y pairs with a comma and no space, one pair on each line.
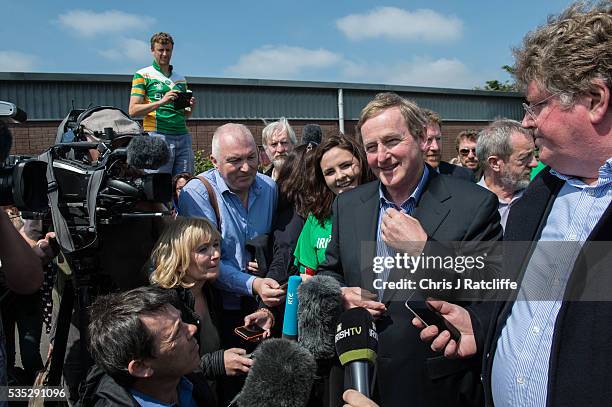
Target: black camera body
22,178
93,180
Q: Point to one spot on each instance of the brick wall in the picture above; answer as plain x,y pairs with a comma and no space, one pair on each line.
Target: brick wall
450,130
32,138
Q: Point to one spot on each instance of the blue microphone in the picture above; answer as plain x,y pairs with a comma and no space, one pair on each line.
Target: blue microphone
290,322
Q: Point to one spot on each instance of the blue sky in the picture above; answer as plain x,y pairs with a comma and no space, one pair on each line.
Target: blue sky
457,44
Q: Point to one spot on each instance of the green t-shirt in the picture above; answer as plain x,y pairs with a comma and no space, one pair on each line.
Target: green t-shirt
152,84
536,170
311,245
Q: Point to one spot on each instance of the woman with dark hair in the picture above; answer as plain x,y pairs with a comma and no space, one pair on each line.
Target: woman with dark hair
339,165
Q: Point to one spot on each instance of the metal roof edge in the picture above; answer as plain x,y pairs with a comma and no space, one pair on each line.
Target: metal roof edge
199,80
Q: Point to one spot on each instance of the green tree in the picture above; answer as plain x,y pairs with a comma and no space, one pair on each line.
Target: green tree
506,86
201,162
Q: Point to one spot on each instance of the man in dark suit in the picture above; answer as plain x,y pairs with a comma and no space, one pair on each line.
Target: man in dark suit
556,350
410,205
433,149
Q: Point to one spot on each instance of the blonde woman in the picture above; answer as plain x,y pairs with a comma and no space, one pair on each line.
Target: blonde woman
187,258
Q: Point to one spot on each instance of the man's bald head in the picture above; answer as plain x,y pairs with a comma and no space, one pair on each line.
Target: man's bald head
230,130
234,154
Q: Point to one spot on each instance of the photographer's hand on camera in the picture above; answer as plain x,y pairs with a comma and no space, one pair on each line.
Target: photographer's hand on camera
21,266
46,249
138,107
189,109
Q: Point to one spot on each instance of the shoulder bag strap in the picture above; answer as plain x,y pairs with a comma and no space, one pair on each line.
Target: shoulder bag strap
212,197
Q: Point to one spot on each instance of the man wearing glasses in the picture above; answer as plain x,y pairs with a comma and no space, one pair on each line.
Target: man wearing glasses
466,149
551,346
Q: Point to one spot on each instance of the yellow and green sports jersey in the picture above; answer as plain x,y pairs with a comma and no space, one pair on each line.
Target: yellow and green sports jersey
152,85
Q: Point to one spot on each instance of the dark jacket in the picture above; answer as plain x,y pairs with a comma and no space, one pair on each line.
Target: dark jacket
101,390
455,171
449,210
212,364
581,356
286,230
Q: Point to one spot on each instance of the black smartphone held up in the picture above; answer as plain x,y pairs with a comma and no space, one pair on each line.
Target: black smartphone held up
438,320
182,100
251,333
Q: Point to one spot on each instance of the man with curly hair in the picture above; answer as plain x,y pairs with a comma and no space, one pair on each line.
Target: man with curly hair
551,345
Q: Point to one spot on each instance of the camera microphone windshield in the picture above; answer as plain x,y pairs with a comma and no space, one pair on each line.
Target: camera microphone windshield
281,376
147,152
319,306
356,345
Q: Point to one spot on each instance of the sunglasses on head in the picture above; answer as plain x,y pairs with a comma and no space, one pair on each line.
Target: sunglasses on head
466,151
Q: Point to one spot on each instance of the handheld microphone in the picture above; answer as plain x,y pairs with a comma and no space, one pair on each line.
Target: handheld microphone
147,153
290,327
319,306
281,375
356,344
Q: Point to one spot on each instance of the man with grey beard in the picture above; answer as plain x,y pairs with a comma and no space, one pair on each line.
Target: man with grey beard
505,151
278,139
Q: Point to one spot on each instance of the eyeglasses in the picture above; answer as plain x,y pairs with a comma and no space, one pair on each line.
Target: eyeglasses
466,151
530,109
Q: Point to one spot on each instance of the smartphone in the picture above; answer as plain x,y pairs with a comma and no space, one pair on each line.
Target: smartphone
251,333
438,320
182,100
284,283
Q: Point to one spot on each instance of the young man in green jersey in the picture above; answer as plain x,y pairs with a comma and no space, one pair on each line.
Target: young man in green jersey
154,90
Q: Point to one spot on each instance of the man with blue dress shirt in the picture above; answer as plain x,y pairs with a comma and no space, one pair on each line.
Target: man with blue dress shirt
246,202
551,345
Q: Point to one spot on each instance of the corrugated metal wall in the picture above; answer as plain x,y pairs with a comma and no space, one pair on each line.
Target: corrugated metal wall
248,102
451,107
51,96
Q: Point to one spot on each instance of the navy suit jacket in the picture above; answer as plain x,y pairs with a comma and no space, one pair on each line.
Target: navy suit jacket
449,210
456,171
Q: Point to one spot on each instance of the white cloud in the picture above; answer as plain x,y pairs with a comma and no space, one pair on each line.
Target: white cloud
89,23
282,62
14,61
398,24
128,48
419,71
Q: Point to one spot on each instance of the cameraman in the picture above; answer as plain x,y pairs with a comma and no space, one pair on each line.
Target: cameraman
19,264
